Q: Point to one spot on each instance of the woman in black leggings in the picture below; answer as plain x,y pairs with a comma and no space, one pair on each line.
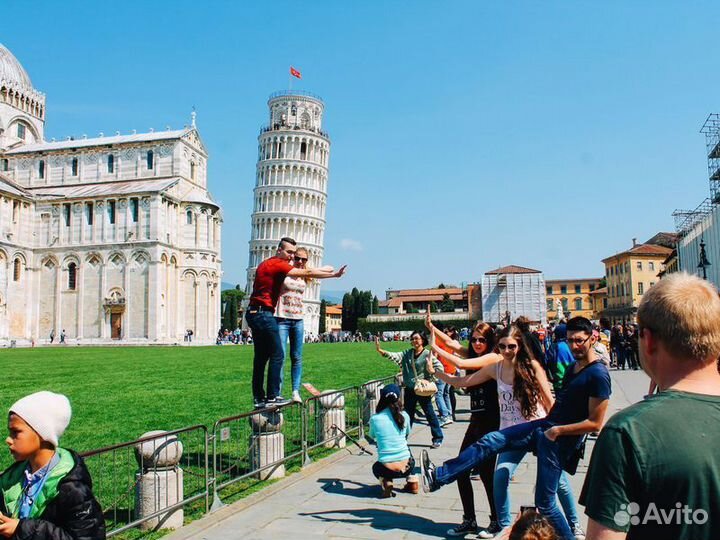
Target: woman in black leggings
484,418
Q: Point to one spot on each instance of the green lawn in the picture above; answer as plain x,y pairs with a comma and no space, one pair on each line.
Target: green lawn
118,393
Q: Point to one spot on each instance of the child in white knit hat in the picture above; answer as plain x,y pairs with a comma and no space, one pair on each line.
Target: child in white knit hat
47,493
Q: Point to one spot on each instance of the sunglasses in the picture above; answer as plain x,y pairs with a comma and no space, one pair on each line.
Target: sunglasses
478,340
510,347
301,259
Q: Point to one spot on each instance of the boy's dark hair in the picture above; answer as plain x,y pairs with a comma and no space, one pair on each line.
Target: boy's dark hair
286,240
532,526
579,324
423,335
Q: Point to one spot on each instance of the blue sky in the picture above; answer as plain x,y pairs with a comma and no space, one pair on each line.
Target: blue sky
465,135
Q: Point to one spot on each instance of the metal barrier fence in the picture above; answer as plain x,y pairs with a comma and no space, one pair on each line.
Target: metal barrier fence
255,444
148,482
330,414
369,397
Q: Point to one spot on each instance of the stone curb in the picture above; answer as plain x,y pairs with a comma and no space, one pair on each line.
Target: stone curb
199,526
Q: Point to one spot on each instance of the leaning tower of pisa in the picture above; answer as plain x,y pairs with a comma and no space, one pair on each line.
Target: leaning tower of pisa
291,187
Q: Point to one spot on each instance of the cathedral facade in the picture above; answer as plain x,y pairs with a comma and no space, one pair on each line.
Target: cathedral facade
111,239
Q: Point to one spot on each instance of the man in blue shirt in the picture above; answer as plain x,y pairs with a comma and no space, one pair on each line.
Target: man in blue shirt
580,409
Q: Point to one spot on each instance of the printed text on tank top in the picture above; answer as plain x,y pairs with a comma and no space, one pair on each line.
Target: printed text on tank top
510,408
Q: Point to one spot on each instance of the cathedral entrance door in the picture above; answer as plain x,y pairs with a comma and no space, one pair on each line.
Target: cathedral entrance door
116,325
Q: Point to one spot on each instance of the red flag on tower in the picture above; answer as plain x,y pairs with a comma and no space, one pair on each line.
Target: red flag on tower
295,73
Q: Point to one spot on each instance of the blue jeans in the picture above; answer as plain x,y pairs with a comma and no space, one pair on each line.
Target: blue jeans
411,399
267,348
507,462
442,399
528,436
295,330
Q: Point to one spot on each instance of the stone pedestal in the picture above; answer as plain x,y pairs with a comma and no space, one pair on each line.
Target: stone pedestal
156,490
332,413
159,482
372,396
267,444
267,448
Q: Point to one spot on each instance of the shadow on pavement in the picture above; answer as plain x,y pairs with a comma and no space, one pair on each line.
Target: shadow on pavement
341,487
384,520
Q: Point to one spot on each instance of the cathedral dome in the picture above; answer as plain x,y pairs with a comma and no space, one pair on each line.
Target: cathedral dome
11,71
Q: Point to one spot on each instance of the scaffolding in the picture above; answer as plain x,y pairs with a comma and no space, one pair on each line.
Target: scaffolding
711,130
685,220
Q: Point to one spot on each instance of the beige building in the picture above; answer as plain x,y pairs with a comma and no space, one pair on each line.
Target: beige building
333,318
574,295
105,239
599,300
629,274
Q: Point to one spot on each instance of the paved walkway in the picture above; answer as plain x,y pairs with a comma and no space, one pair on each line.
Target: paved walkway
338,498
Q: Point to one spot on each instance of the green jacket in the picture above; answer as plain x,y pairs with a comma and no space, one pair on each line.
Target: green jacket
405,360
11,483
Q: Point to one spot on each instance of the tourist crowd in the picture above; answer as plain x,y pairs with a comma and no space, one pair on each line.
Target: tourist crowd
653,473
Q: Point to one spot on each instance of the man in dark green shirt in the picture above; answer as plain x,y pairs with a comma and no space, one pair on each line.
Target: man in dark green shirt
655,469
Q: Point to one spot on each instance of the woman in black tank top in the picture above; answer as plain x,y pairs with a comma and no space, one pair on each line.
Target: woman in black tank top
484,418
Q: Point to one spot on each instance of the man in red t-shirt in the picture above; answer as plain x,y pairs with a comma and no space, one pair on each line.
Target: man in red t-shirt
269,277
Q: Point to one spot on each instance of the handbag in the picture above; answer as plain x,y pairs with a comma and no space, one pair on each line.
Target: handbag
423,387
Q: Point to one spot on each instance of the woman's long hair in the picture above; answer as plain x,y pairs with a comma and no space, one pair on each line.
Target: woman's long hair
487,332
393,403
526,388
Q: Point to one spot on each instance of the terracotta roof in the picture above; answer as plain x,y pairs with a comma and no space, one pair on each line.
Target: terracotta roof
334,310
643,249
512,269
602,290
420,292
399,300
666,239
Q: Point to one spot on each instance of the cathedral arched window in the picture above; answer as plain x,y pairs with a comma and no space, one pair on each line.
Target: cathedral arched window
150,159
17,267
74,167
111,164
21,131
72,276
5,165
41,169
189,217
192,170
303,150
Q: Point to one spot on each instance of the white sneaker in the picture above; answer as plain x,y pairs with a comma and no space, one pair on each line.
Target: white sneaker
296,397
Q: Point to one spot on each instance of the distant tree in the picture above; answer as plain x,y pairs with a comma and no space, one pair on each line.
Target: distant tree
348,312
441,286
603,283
231,299
375,306
447,305
366,304
410,308
434,307
323,314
